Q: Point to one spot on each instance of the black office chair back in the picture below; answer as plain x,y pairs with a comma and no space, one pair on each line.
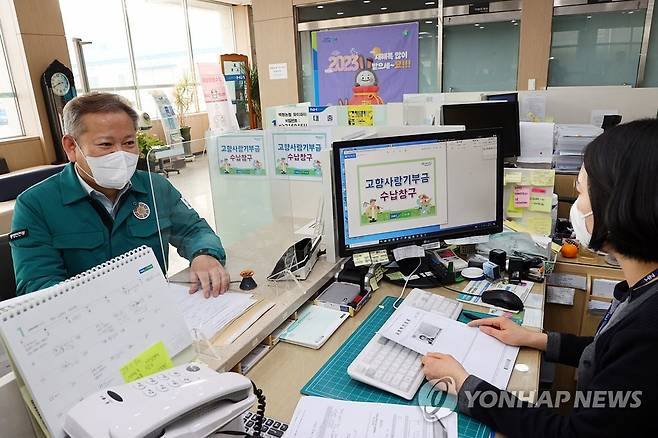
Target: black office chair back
7,278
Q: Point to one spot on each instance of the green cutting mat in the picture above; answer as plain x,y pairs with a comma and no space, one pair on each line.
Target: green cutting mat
332,380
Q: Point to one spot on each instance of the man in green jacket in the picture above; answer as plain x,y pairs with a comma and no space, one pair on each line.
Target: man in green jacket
99,207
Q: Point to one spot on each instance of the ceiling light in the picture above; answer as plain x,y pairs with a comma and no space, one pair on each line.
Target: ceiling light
551,57
366,1
340,13
429,3
516,24
320,7
589,17
383,8
428,22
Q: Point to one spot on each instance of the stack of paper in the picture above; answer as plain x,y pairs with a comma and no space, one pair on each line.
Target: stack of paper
570,144
317,417
314,325
479,353
536,142
209,315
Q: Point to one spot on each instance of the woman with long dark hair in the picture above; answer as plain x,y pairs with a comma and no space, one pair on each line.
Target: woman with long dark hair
616,212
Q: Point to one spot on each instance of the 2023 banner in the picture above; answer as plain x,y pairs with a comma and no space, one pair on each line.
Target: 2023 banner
366,66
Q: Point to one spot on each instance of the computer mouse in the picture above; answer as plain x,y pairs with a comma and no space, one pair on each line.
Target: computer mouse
502,298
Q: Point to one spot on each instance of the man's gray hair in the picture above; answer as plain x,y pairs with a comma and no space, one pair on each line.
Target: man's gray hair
94,102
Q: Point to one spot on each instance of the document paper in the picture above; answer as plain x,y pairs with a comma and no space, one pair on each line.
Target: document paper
317,417
209,315
479,353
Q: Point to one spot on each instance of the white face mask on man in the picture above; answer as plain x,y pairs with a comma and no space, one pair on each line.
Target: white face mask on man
112,171
579,226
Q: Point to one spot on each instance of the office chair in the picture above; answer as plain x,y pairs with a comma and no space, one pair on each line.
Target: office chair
7,279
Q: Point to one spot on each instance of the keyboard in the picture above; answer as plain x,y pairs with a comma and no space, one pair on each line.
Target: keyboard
388,365
271,427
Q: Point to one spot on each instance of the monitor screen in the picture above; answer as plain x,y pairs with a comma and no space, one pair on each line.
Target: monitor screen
492,114
398,191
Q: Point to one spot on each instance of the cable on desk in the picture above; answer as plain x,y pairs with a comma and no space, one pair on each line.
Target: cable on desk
260,417
420,261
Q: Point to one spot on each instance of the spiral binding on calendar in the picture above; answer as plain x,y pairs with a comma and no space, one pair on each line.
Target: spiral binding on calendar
9,311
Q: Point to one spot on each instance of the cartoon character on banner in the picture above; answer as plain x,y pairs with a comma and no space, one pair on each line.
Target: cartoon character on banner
317,165
226,166
371,210
283,166
365,90
423,202
258,165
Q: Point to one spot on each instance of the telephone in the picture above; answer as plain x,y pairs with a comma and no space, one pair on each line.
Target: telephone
188,401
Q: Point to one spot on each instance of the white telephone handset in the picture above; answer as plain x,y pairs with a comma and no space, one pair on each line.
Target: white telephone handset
188,401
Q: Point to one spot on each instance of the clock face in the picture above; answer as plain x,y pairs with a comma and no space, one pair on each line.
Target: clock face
60,84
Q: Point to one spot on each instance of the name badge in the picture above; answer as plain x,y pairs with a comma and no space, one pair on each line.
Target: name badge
141,211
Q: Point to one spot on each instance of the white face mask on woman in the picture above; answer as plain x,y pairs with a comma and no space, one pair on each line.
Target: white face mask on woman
112,171
579,226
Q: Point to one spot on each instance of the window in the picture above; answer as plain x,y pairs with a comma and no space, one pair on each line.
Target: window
107,58
211,29
10,116
163,45
481,56
651,72
596,49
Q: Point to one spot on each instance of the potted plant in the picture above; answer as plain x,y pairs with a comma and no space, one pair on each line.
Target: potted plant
146,142
183,99
251,76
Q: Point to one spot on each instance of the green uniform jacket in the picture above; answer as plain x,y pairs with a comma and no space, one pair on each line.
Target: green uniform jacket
66,232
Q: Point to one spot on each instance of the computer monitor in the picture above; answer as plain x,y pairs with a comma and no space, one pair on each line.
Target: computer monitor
493,114
505,97
417,189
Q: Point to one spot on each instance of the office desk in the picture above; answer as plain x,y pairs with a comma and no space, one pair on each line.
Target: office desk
260,251
286,369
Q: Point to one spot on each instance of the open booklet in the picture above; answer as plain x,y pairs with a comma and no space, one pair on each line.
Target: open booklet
479,353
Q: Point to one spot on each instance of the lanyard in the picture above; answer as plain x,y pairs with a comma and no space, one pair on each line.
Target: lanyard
650,278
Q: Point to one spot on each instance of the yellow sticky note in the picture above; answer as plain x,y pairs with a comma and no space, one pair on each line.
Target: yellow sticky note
362,259
539,224
540,203
513,177
512,210
542,178
360,115
395,275
152,360
373,284
379,256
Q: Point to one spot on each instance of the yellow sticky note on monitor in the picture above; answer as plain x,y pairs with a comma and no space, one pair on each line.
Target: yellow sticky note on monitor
540,203
512,177
362,259
542,178
512,210
154,359
539,224
379,256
